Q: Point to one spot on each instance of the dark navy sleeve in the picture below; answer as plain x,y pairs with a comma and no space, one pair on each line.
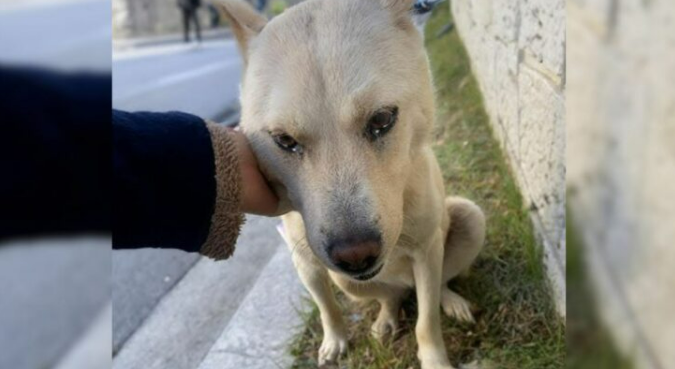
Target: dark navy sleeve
56,177
164,181
55,140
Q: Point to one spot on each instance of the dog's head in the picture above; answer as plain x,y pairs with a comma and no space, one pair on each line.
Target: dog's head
337,103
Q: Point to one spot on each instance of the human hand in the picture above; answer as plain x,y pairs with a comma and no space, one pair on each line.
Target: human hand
256,195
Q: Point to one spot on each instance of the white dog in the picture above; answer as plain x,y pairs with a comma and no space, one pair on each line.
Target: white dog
337,102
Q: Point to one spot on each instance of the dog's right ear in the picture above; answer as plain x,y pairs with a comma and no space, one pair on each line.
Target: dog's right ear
245,22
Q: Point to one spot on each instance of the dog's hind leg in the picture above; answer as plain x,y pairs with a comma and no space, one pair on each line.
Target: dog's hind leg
386,324
463,243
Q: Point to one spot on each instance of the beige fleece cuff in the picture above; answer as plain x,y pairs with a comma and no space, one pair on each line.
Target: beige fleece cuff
227,217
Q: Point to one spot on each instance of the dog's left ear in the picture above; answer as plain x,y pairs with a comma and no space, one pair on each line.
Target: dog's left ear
245,22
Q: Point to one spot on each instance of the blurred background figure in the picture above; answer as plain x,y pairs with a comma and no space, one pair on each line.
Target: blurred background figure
621,170
260,5
422,11
188,9
214,15
55,309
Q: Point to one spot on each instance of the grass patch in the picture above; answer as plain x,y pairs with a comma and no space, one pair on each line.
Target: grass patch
517,326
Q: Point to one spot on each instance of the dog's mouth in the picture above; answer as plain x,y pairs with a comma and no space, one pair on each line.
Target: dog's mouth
370,275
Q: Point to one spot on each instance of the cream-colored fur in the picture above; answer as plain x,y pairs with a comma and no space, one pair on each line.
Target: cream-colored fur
317,73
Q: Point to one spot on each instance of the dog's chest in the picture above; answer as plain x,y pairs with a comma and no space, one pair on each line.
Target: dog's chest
398,271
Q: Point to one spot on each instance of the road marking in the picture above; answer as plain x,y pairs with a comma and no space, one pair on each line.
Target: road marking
180,77
177,78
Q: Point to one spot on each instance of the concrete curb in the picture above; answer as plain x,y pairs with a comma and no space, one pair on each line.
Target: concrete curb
259,333
92,350
189,319
124,44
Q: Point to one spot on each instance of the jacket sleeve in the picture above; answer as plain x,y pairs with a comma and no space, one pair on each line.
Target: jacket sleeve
55,140
176,184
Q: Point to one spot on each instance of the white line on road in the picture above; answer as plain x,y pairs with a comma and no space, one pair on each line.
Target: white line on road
177,78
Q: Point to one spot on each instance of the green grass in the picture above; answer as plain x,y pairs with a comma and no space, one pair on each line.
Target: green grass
517,326
277,7
589,345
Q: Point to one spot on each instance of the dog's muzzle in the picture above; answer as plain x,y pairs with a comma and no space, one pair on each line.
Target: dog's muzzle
356,255
370,275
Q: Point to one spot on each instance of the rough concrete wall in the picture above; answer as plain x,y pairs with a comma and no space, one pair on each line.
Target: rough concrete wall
621,159
517,50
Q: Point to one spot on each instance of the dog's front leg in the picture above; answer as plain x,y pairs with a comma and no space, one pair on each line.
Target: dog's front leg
334,343
427,269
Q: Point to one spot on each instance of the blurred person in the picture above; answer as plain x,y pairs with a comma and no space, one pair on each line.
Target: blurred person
260,5
178,181
214,15
421,12
189,10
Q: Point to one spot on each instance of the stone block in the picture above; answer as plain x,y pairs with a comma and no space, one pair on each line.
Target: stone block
542,33
542,149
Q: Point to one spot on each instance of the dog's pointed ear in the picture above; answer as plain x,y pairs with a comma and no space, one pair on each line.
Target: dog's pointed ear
245,22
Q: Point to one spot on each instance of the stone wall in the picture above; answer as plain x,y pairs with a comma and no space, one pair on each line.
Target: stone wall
621,160
517,51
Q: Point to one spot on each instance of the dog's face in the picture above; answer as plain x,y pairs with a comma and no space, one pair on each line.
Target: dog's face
337,102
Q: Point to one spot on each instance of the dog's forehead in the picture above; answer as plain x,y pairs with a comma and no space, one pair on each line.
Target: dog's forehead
324,60
328,20
327,38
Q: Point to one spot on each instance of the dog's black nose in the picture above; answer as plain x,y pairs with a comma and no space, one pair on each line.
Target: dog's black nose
355,257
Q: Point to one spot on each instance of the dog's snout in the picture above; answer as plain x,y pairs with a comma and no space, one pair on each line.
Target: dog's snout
355,257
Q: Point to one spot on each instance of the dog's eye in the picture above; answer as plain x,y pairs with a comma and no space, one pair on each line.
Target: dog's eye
287,143
381,122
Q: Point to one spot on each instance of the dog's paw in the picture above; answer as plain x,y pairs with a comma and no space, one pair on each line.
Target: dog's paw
432,364
436,366
433,357
455,306
384,327
332,347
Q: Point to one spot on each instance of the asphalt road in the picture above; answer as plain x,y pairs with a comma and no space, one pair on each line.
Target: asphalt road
51,291
57,34
199,79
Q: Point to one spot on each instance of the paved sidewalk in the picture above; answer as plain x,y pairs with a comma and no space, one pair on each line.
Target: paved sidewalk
259,334
249,303
207,35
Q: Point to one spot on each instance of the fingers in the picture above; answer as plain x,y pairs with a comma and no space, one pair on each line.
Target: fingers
256,197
